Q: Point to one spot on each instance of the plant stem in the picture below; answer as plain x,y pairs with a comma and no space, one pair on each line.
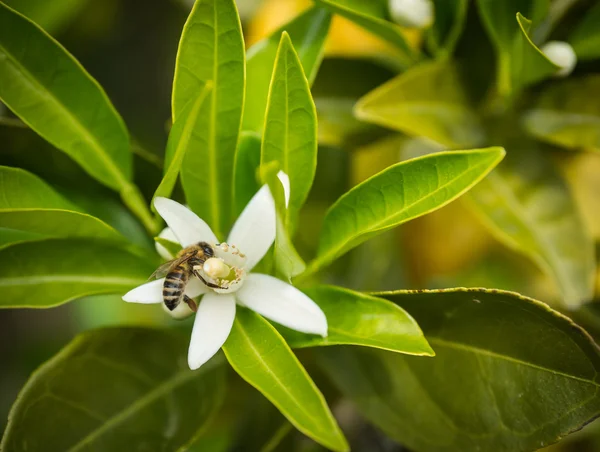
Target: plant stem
133,199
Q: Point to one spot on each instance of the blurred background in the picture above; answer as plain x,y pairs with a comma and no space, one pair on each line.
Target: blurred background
129,46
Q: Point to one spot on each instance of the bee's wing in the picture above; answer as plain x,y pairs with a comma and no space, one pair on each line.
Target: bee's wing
167,266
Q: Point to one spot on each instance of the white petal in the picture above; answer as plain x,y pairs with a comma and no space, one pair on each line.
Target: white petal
195,287
282,303
166,233
254,231
186,225
182,311
146,293
412,13
212,326
151,292
562,54
285,181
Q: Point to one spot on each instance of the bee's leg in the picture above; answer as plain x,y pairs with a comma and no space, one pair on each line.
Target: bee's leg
191,303
199,276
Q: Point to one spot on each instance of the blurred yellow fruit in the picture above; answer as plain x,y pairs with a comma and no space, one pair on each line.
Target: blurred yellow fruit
443,242
345,37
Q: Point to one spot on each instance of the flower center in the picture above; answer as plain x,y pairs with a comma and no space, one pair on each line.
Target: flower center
225,269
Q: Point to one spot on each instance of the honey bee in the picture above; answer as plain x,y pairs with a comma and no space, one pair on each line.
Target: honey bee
178,271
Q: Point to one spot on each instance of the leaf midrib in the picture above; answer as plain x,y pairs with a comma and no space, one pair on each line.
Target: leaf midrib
263,364
490,354
88,137
178,379
374,227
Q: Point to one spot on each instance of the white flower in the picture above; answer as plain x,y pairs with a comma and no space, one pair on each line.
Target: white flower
249,240
412,13
562,54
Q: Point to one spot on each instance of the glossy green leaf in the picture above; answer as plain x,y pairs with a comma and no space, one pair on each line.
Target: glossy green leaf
307,32
290,136
116,389
245,177
428,100
52,93
30,209
567,114
260,355
355,318
372,16
585,39
448,24
499,18
51,16
183,136
398,194
24,190
509,374
287,260
527,206
528,63
52,272
211,49
56,223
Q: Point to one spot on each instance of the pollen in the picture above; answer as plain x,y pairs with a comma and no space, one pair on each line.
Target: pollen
216,268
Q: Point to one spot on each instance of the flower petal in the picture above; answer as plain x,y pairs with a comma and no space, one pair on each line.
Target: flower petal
151,292
254,231
148,293
166,233
285,181
212,326
282,303
186,225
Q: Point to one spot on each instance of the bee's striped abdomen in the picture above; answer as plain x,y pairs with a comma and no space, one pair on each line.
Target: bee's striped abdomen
174,286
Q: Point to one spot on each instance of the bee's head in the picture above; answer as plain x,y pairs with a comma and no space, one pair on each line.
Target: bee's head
207,249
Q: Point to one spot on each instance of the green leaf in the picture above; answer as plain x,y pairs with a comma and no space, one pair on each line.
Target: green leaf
54,271
373,16
116,389
428,100
509,374
183,136
355,318
448,24
499,18
247,163
307,32
528,63
260,355
567,114
287,260
51,16
30,210
56,223
398,194
290,136
211,48
52,93
585,39
527,206
24,190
